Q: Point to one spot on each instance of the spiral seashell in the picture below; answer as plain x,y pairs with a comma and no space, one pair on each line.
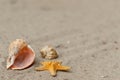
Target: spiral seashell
21,55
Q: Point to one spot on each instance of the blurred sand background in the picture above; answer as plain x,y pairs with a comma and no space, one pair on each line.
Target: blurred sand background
86,33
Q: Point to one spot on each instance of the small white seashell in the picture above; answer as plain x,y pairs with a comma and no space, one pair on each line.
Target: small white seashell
48,52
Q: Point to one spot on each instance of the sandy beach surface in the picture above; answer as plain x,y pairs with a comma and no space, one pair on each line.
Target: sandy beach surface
86,34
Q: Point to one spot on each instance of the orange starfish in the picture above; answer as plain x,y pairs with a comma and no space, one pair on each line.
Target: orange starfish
52,67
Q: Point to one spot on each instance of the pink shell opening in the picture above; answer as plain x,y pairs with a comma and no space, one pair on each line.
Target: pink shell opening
24,58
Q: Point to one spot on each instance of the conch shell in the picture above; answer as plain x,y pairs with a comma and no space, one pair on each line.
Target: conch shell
21,55
48,52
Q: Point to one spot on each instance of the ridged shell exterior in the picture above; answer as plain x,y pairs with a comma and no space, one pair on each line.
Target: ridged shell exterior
16,45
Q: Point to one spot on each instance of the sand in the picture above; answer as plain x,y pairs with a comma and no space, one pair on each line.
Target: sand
86,34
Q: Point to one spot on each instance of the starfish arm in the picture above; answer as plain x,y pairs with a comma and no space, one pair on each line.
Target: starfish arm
64,68
52,70
40,68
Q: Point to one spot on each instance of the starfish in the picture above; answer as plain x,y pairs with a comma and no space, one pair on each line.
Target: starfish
52,67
